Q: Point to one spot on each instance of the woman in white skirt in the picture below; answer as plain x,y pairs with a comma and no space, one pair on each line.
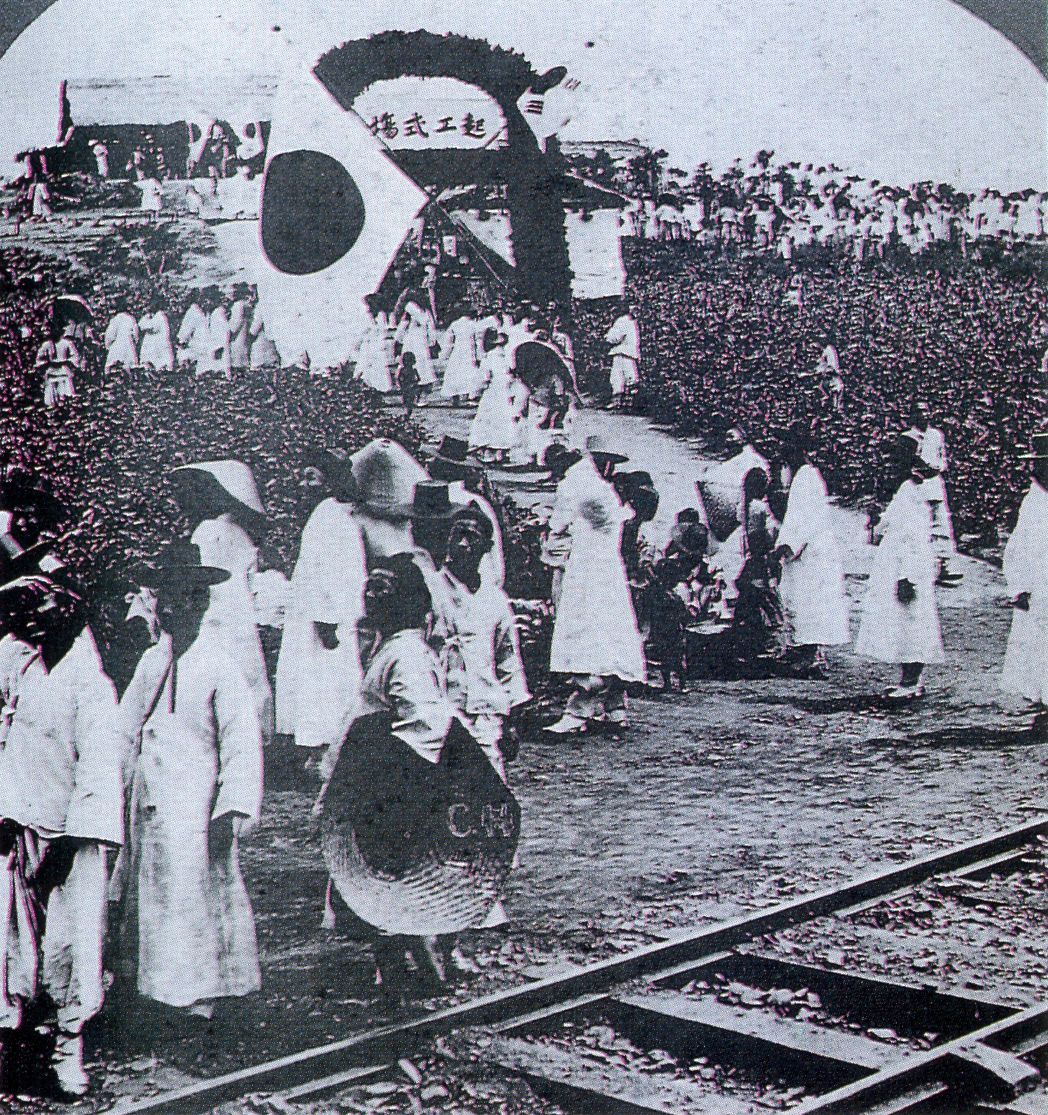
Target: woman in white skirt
900,620
811,584
494,425
1026,570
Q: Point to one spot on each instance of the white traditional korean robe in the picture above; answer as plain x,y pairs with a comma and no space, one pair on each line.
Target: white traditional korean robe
932,449
404,678
263,352
891,631
231,615
462,375
121,341
199,758
60,775
155,349
374,355
416,333
494,426
1026,569
484,674
194,336
317,688
216,356
239,336
595,631
624,338
812,584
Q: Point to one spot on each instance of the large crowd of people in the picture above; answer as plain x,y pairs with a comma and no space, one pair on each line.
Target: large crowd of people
204,554
726,343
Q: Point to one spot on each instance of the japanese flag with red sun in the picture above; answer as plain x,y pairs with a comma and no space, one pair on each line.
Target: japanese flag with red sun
335,209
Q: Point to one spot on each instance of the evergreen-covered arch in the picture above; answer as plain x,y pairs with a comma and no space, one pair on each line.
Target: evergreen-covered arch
533,193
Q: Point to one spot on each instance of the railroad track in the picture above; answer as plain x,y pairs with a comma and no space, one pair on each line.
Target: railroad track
715,1021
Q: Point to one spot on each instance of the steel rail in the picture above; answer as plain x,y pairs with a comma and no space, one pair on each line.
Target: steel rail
343,1059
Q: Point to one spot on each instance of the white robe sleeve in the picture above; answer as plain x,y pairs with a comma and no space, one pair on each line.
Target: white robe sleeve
239,747
421,713
1024,554
509,668
96,807
805,511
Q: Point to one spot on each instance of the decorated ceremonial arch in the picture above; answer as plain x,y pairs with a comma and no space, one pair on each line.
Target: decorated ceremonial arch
528,179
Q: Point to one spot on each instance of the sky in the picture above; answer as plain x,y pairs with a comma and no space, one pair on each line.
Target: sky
900,90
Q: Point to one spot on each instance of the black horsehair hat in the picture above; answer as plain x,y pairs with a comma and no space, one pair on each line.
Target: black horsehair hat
178,565
431,501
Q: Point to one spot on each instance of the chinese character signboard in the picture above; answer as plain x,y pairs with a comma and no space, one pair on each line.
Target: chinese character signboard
417,113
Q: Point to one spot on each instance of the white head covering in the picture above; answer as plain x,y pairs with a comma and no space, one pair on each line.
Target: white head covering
235,477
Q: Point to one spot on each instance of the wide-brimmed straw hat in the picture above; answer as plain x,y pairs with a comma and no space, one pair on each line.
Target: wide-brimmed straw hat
386,475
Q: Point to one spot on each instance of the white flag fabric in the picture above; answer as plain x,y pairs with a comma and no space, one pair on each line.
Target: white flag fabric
335,209
546,113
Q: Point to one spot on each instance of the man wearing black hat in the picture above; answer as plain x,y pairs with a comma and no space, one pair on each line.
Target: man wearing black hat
188,718
1025,564
318,672
61,808
467,484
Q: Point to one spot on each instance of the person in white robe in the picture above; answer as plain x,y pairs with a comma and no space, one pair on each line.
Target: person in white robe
931,448
373,357
58,360
194,337
152,196
189,725
121,341
483,670
221,501
155,333
217,356
624,340
900,620
318,671
416,333
494,426
240,329
61,809
263,352
595,635
811,584
1026,570
466,483
462,376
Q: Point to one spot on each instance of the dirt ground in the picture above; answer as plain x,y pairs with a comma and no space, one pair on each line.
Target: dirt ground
734,795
